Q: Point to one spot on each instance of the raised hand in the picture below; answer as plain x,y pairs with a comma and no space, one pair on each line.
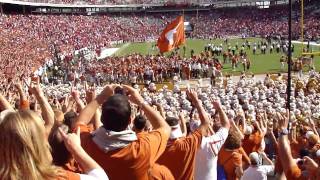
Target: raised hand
106,93
160,109
216,104
90,93
72,140
36,89
18,86
311,123
283,120
133,95
310,164
75,93
181,117
193,97
270,128
4,103
261,118
183,123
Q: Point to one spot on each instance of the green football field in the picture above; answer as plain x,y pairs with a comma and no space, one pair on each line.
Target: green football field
260,64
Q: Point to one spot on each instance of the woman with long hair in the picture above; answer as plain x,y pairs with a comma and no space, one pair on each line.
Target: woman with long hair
25,151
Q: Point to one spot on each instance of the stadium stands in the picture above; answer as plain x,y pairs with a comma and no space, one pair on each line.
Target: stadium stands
121,2
35,35
62,116
38,37
144,2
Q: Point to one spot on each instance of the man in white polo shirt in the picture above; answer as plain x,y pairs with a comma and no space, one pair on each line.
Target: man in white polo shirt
258,171
207,155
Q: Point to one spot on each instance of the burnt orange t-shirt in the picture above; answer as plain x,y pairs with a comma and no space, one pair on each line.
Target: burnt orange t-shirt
245,157
136,161
230,160
251,143
180,154
160,172
295,149
294,173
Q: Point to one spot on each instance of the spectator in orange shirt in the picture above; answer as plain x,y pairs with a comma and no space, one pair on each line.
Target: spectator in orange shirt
120,152
184,149
290,166
253,138
230,157
245,158
60,155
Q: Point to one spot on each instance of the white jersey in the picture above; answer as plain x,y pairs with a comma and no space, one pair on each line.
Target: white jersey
207,155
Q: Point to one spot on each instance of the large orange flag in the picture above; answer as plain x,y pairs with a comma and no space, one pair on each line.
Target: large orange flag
172,36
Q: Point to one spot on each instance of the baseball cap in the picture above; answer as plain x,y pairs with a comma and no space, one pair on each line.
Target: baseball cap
175,127
254,158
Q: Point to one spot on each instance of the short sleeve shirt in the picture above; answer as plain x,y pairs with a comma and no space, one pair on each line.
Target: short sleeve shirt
252,142
132,162
179,156
257,173
230,160
207,155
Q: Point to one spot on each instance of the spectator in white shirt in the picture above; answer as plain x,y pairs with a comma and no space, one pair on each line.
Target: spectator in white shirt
258,171
207,155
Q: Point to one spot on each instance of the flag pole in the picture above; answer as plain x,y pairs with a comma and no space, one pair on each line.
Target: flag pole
185,47
289,55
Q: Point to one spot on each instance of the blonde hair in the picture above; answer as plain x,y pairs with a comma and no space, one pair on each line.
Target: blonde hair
24,151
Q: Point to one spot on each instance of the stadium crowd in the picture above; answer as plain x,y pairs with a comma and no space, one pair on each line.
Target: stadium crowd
236,130
134,2
179,65
120,2
70,120
40,37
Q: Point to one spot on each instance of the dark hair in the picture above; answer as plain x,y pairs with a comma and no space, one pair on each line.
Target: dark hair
70,119
233,141
172,121
116,112
188,127
32,106
139,122
304,152
119,90
59,152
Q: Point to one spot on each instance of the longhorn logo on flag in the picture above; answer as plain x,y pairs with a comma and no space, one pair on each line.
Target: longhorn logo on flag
172,36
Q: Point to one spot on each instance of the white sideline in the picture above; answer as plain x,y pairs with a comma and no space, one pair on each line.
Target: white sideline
305,43
106,52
